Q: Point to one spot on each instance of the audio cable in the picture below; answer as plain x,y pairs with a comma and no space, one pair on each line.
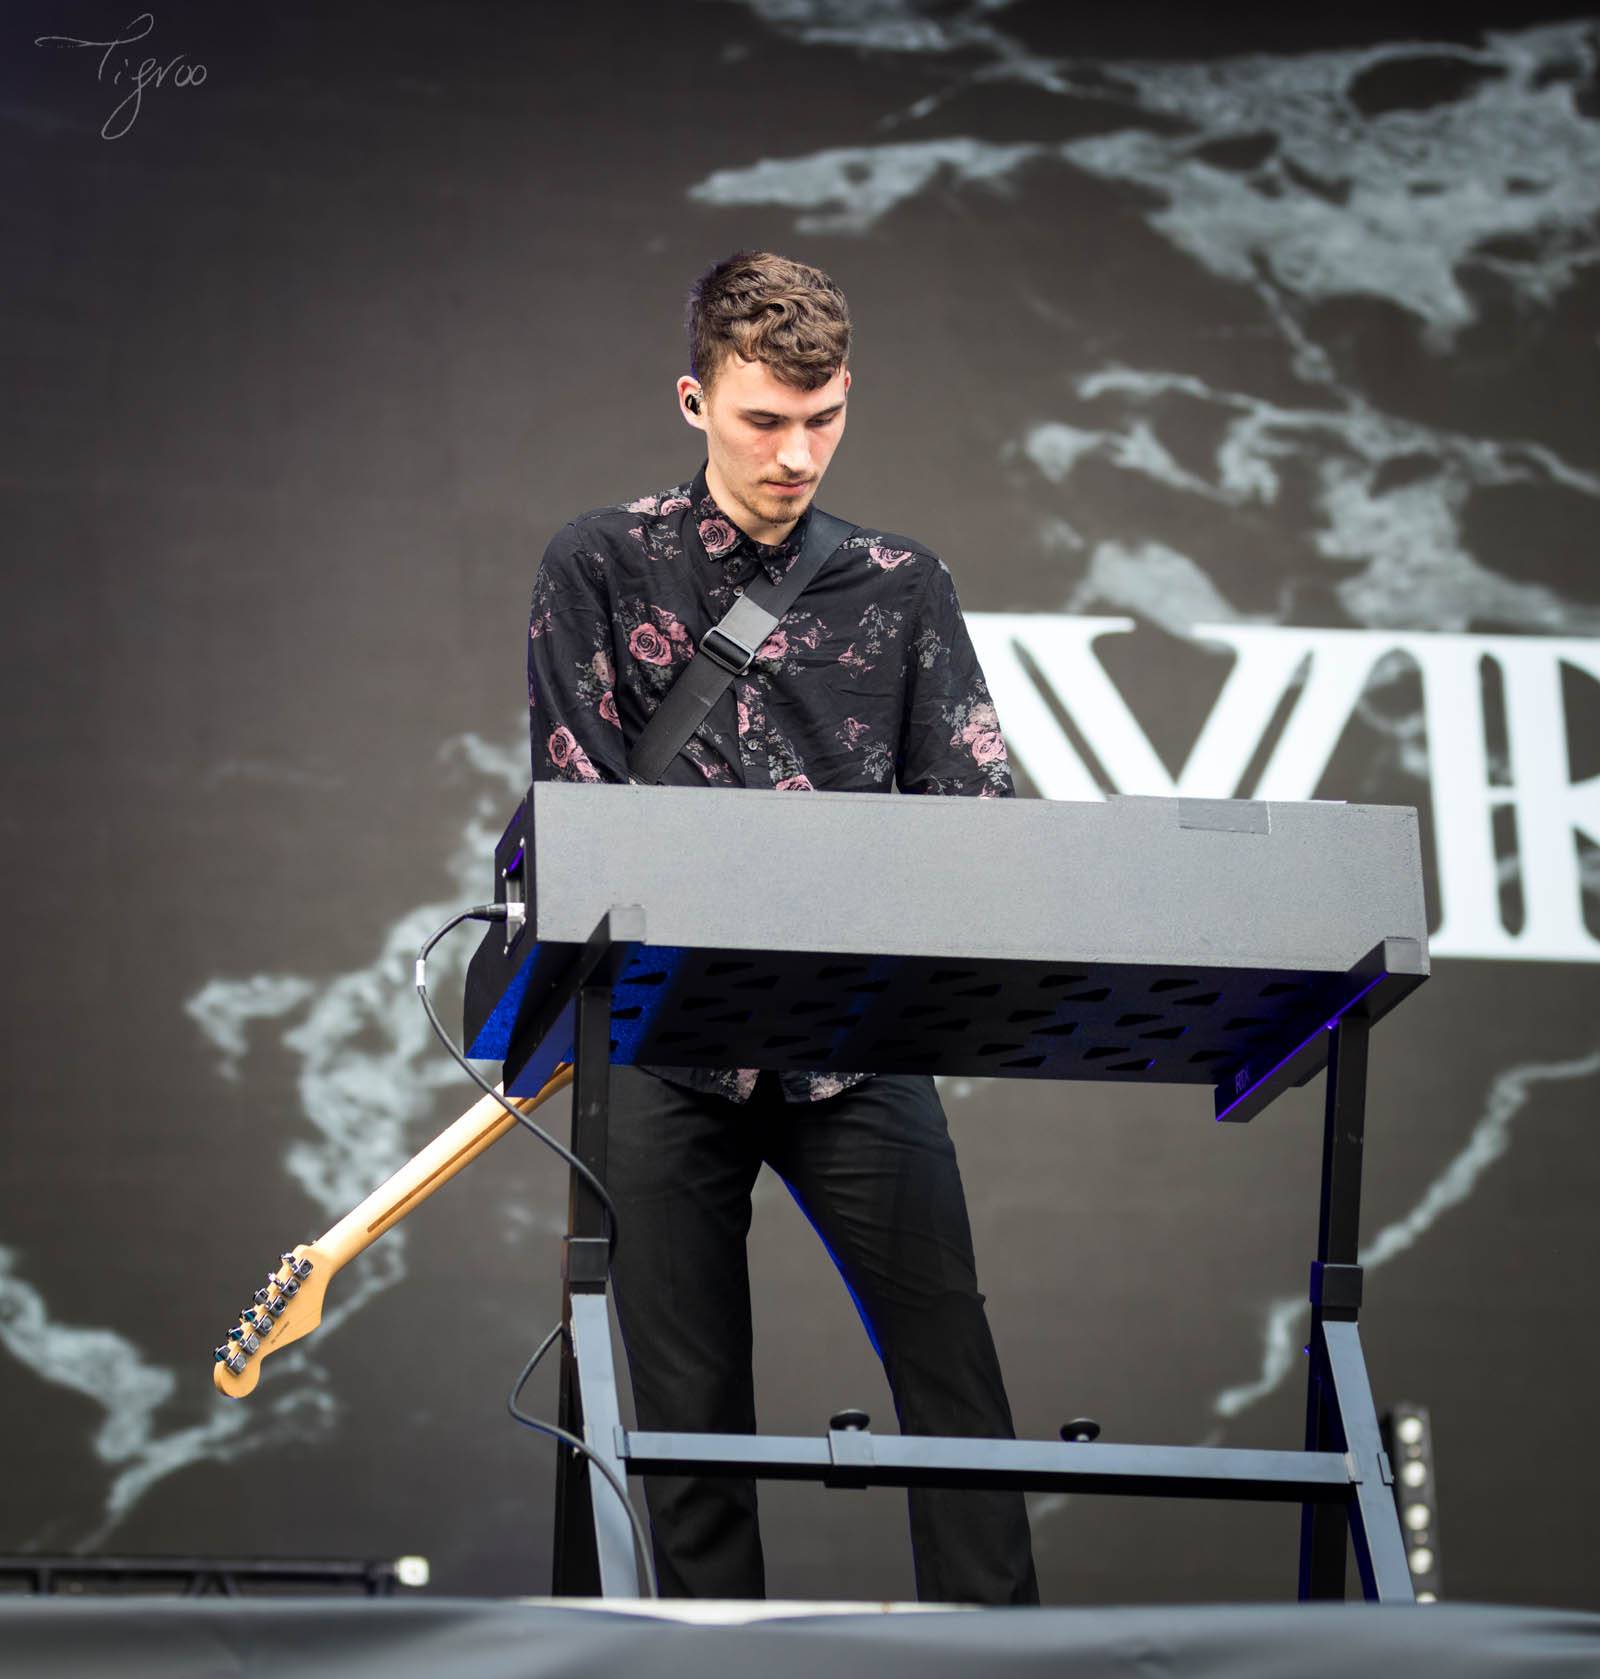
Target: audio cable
499,912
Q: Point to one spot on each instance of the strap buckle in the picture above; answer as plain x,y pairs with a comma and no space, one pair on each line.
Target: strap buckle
723,660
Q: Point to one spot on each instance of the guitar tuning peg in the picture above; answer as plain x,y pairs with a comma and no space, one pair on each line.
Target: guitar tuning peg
227,1356
263,1296
297,1267
247,1342
260,1322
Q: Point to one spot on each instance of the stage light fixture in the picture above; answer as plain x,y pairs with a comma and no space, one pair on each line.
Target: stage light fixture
44,1575
1408,1438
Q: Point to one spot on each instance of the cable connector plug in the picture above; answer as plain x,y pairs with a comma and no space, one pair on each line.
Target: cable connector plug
513,914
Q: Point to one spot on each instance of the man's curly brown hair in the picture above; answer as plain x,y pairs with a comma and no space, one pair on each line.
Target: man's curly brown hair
766,308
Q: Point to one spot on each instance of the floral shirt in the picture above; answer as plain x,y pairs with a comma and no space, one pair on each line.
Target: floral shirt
869,683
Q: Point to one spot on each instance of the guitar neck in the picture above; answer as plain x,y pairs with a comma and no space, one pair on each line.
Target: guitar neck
290,1306
458,1145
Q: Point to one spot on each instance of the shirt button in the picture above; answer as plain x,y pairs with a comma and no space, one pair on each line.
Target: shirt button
738,588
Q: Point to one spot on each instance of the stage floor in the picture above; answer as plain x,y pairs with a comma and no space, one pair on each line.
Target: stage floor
394,1638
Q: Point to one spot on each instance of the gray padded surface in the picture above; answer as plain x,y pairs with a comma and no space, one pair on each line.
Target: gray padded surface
1181,941
1214,883
390,1639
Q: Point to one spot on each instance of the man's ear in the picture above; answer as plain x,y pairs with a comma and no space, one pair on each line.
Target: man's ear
693,411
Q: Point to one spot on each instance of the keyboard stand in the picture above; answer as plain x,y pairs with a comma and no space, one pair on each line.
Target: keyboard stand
1237,955
1342,1479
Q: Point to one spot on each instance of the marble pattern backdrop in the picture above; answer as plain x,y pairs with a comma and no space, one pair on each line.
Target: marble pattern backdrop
1234,352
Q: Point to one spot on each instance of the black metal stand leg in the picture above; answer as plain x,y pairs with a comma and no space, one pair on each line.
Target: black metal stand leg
575,1570
1374,1522
1340,1416
1324,1528
594,1552
611,1533
1335,1290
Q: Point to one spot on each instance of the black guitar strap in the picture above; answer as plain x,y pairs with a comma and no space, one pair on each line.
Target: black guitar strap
729,648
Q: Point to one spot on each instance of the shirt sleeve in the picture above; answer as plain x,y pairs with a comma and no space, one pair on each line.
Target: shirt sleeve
574,730
950,739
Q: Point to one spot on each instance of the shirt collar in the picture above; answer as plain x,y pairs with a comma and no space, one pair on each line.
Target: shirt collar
726,544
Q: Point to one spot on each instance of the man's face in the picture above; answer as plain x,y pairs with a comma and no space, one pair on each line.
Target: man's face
767,443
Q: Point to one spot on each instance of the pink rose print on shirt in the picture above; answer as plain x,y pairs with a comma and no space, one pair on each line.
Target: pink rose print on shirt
980,718
600,664
712,768
744,718
565,753
668,624
645,504
852,729
888,558
718,535
988,747
608,708
774,647
795,784
982,736
649,646
673,504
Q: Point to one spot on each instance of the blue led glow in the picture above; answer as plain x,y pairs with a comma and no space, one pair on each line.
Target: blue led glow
861,1311
628,1033
494,1039
554,1048
1311,1037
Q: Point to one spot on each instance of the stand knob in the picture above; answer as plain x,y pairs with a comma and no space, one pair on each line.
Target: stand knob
848,1422
1080,1429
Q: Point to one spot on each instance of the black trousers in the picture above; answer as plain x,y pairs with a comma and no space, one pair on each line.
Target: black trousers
875,1171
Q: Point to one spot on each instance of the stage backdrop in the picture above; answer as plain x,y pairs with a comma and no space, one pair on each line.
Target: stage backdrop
1243,368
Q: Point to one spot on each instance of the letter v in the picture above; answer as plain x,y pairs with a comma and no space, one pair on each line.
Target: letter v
1266,659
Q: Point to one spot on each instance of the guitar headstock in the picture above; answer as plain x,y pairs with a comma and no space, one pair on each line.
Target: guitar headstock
286,1307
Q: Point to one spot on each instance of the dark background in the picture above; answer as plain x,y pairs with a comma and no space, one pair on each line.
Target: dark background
301,371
